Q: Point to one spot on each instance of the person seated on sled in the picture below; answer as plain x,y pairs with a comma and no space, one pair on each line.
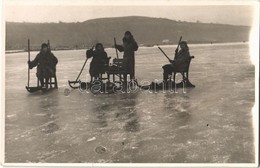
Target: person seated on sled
179,62
46,64
129,47
99,61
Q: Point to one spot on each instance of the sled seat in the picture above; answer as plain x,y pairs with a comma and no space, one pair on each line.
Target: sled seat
184,71
118,69
100,75
51,83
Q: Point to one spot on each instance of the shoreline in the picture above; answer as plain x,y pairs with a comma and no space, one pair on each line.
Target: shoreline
145,46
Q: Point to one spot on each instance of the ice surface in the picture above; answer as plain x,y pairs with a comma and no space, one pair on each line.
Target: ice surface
210,123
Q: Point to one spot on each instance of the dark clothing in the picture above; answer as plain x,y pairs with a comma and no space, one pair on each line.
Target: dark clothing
46,65
129,47
179,64
99,62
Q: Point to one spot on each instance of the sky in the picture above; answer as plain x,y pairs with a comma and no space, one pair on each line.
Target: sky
79,11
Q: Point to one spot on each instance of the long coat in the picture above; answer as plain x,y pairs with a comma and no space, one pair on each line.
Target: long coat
98,63
180,60
46,64
129,47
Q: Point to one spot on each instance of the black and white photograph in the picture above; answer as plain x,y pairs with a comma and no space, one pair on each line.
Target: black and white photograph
130,83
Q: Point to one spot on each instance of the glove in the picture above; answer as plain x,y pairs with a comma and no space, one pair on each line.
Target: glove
176,50
89,53
29,64
119,47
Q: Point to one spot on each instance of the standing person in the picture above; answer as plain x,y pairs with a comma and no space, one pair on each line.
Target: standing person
99,61
129,47
46,64
179,62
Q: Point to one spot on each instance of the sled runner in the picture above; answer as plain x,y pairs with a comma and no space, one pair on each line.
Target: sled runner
76,83
171,84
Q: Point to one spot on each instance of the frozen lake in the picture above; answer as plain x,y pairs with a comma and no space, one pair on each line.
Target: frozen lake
210,123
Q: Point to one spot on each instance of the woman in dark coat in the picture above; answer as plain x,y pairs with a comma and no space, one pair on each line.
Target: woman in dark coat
179,62
46,64
129,47
99,60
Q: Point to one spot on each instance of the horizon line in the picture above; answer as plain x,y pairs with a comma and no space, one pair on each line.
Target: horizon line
58,22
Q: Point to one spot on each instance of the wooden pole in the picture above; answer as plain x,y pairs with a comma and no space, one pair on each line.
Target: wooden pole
115,48
164,53
179,43
177,49
49,47
81,70
28,84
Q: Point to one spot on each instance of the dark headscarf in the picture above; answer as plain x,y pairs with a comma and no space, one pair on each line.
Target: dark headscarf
131,38
185,44
99,44
44,45
128,33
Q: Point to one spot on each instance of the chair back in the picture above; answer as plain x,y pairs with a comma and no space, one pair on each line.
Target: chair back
189,61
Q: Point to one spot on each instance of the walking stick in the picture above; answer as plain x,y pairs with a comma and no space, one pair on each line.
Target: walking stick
115,48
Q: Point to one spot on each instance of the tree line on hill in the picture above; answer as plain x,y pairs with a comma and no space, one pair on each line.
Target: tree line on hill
146,30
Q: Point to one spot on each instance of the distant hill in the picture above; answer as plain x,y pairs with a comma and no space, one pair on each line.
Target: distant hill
147,31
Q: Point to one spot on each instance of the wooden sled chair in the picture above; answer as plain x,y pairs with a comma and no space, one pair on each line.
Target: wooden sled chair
184,72
51,83
118,70
100,75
